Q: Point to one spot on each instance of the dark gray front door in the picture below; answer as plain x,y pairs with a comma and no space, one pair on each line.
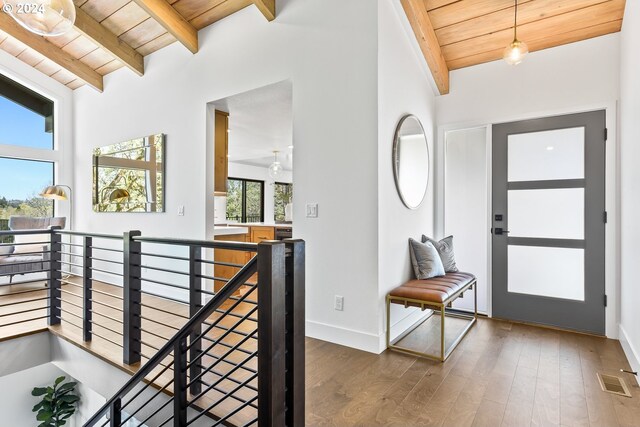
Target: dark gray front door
549,221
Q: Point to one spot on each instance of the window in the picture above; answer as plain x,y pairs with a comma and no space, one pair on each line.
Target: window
245,200
26,125
283,195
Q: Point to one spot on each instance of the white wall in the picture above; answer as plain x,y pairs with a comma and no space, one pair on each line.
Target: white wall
578,77
239,170
328,50
630,182
403,88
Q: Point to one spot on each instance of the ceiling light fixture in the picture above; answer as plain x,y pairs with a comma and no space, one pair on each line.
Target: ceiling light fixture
275,170
43,17
517,50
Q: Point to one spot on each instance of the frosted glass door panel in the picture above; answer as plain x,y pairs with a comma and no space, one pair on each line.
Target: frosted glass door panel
550,213
548,155
548,272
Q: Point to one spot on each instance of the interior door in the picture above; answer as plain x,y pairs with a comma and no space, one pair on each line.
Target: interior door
548,221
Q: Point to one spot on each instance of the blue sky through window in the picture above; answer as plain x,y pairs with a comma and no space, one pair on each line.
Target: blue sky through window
21,179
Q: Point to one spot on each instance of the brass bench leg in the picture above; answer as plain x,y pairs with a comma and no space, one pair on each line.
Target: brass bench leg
442,350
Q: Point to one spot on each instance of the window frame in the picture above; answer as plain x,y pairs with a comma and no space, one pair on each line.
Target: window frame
51,155
243,218
289,184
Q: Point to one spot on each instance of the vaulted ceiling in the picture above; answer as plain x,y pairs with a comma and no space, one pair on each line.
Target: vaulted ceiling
111,34
460,33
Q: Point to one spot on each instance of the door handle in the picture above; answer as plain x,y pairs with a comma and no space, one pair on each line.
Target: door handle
500,231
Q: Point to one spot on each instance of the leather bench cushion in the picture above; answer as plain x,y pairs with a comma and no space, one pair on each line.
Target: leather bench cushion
437,289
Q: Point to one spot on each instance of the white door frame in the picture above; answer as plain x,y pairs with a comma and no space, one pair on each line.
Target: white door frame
612,240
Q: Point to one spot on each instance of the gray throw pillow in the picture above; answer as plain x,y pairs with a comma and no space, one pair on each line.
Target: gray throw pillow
425,259
445,249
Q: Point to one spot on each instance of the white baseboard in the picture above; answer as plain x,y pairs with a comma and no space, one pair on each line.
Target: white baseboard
364,341
630,351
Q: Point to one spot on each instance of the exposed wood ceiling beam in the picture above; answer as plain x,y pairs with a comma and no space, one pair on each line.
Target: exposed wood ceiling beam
104,38
172,21
267,7
426,36
51,51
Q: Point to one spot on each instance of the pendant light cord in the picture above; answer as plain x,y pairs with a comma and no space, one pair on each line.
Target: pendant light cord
515,23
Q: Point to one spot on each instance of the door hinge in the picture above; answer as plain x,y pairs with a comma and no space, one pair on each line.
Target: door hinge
605,300
606,134
605,217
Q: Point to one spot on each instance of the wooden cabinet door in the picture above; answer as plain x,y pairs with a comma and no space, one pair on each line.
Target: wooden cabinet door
221,151
258,234
228,256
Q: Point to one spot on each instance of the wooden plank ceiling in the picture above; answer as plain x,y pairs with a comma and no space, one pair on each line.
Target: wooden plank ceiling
471,32
111,34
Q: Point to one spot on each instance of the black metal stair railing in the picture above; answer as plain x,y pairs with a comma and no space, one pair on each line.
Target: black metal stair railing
229,356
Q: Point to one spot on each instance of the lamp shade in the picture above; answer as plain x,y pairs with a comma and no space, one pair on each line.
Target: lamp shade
43,17
119,195
55,192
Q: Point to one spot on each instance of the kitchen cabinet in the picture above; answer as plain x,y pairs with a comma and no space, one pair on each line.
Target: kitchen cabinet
260,233
221,137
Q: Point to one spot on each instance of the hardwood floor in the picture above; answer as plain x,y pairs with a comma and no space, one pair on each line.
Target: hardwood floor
502,374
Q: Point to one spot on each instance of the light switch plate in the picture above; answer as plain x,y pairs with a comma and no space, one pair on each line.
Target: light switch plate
312,210
180,210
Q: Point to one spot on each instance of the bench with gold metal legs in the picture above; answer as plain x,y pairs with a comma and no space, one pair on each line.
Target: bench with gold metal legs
434,294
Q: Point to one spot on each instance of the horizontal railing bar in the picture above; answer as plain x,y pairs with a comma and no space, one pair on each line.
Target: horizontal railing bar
158,323
217,279
23,321
147,344
105,327
164,311
242,276
230,414
70,303
15,313
23,292
105,304
94,235
165,270
154,334
107,316
69,322
24,232
99,248
106,293
40,261
252,319
71,244
253,371
70,263
225,264
211,244
64,291
66,282
178,258
78,255
106,271
19,254
219,390
106,260
22,302
106,339
71,313
163,297
158,282
24,282
149,357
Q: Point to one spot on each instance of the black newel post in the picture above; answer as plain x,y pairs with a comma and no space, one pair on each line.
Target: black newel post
131,298
87,254
295,329
271,333
195,304
55,275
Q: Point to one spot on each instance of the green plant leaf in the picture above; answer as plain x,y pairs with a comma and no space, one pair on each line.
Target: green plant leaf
59,380
44,416
38,391
68,386
37,407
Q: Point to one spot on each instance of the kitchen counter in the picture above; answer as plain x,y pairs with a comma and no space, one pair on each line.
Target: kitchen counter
255,224
224,230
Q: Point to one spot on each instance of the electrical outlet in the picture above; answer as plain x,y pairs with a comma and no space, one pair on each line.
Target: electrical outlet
312,210
338,303
180,210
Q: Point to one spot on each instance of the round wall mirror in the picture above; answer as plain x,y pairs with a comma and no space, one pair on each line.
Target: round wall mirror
411,161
